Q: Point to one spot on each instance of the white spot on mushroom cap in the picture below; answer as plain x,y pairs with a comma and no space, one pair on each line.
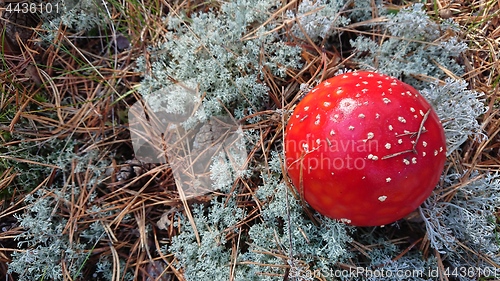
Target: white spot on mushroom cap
435,152
347,105
339,91
390,128
332,132
351,127
327,104
388,180
382,198
372,157
401,119
386,100
412,109
388,145
318,118
306,108
424,144
326,83
400,141
344,220
406,161
414,160
424,153
370,135
361,115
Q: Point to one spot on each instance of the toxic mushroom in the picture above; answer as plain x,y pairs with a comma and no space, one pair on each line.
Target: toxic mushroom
364,148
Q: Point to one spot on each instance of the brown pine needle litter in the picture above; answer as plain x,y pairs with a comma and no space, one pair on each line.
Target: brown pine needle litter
77,89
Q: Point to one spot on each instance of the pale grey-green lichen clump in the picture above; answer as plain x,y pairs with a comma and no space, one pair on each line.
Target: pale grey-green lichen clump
458,108
77,15
209,52
467,222
412,46
317,19
45,239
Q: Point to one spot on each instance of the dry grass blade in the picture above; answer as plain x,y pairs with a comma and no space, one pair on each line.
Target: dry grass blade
28,161
6,178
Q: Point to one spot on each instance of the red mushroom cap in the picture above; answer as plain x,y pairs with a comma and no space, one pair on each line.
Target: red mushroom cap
364,148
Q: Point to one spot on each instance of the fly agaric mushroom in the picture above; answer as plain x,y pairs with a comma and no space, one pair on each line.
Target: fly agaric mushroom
364,148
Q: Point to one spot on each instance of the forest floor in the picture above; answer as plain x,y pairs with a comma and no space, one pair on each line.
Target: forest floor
71,97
